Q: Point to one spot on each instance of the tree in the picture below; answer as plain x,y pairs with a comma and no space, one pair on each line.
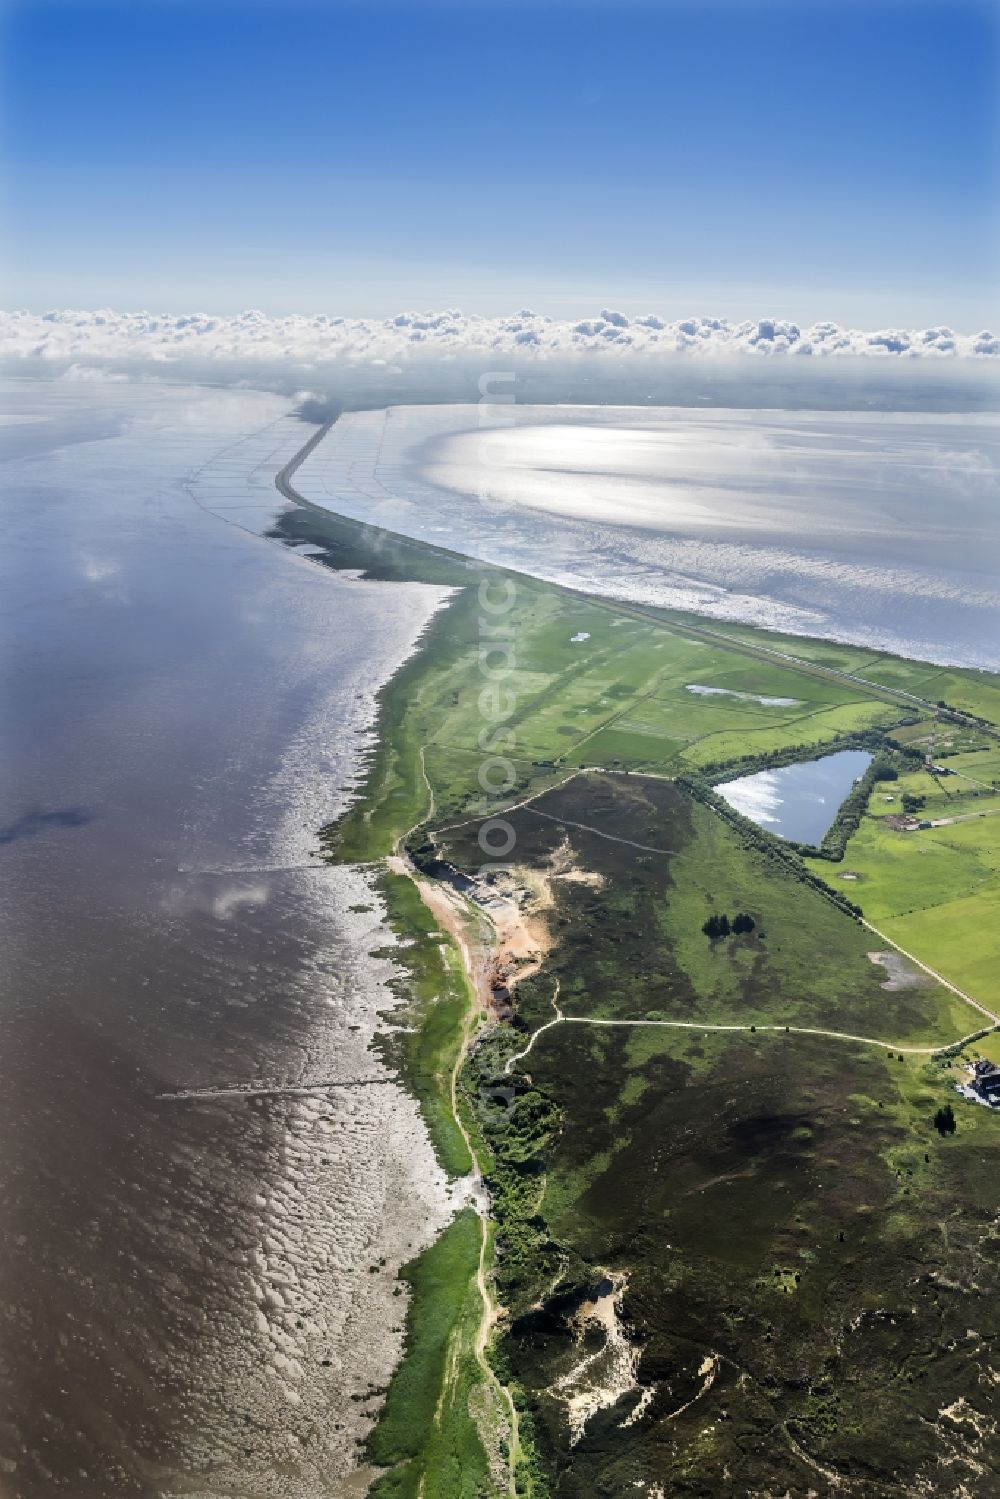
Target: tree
944,1120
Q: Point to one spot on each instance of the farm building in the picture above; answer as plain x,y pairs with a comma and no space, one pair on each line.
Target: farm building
984,1083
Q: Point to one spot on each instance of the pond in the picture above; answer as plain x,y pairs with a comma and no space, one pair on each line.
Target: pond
797,801
746,697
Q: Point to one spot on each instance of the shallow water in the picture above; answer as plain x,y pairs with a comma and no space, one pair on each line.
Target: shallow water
797,801
746,697
872,527
186,1301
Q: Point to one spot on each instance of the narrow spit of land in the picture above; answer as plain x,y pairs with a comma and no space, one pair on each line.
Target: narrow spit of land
755,649
622,700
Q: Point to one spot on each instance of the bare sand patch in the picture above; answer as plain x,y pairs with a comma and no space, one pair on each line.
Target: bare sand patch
453,915
901,973
582,877
516,902
602,1377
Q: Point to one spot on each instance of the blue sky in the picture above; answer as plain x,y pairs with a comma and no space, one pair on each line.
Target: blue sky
801,160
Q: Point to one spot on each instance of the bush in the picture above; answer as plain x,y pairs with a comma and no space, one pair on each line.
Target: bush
721,926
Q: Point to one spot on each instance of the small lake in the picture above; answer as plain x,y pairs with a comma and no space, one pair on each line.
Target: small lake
746,697
797,801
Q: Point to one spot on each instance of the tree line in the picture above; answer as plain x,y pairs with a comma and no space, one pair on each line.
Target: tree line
850,812
891,758
777,849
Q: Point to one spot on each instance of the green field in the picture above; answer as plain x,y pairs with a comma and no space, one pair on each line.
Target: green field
973,692
966,689
427,1023
618,699
431,1445
935,891
775,1205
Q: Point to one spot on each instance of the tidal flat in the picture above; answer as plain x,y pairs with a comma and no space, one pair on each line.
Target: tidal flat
878,528
197,1294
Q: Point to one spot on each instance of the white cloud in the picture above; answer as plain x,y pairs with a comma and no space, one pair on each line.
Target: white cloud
98,569
89,341
229,902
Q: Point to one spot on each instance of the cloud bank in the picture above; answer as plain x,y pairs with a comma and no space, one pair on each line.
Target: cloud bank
104,340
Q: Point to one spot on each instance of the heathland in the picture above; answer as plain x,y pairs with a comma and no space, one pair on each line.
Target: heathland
731,1249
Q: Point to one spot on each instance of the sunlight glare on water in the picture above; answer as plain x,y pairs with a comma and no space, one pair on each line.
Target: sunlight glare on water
873,527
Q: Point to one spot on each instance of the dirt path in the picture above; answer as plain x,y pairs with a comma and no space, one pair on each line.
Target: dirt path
456,916
586,828
948,822
490,1312
431,804
696,1025
512,1061
503,811
708,1372
526,803
965,776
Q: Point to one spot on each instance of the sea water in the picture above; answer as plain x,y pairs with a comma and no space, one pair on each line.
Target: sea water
873,527
186,1288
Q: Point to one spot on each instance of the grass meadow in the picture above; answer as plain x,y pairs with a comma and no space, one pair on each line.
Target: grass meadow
777,1207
